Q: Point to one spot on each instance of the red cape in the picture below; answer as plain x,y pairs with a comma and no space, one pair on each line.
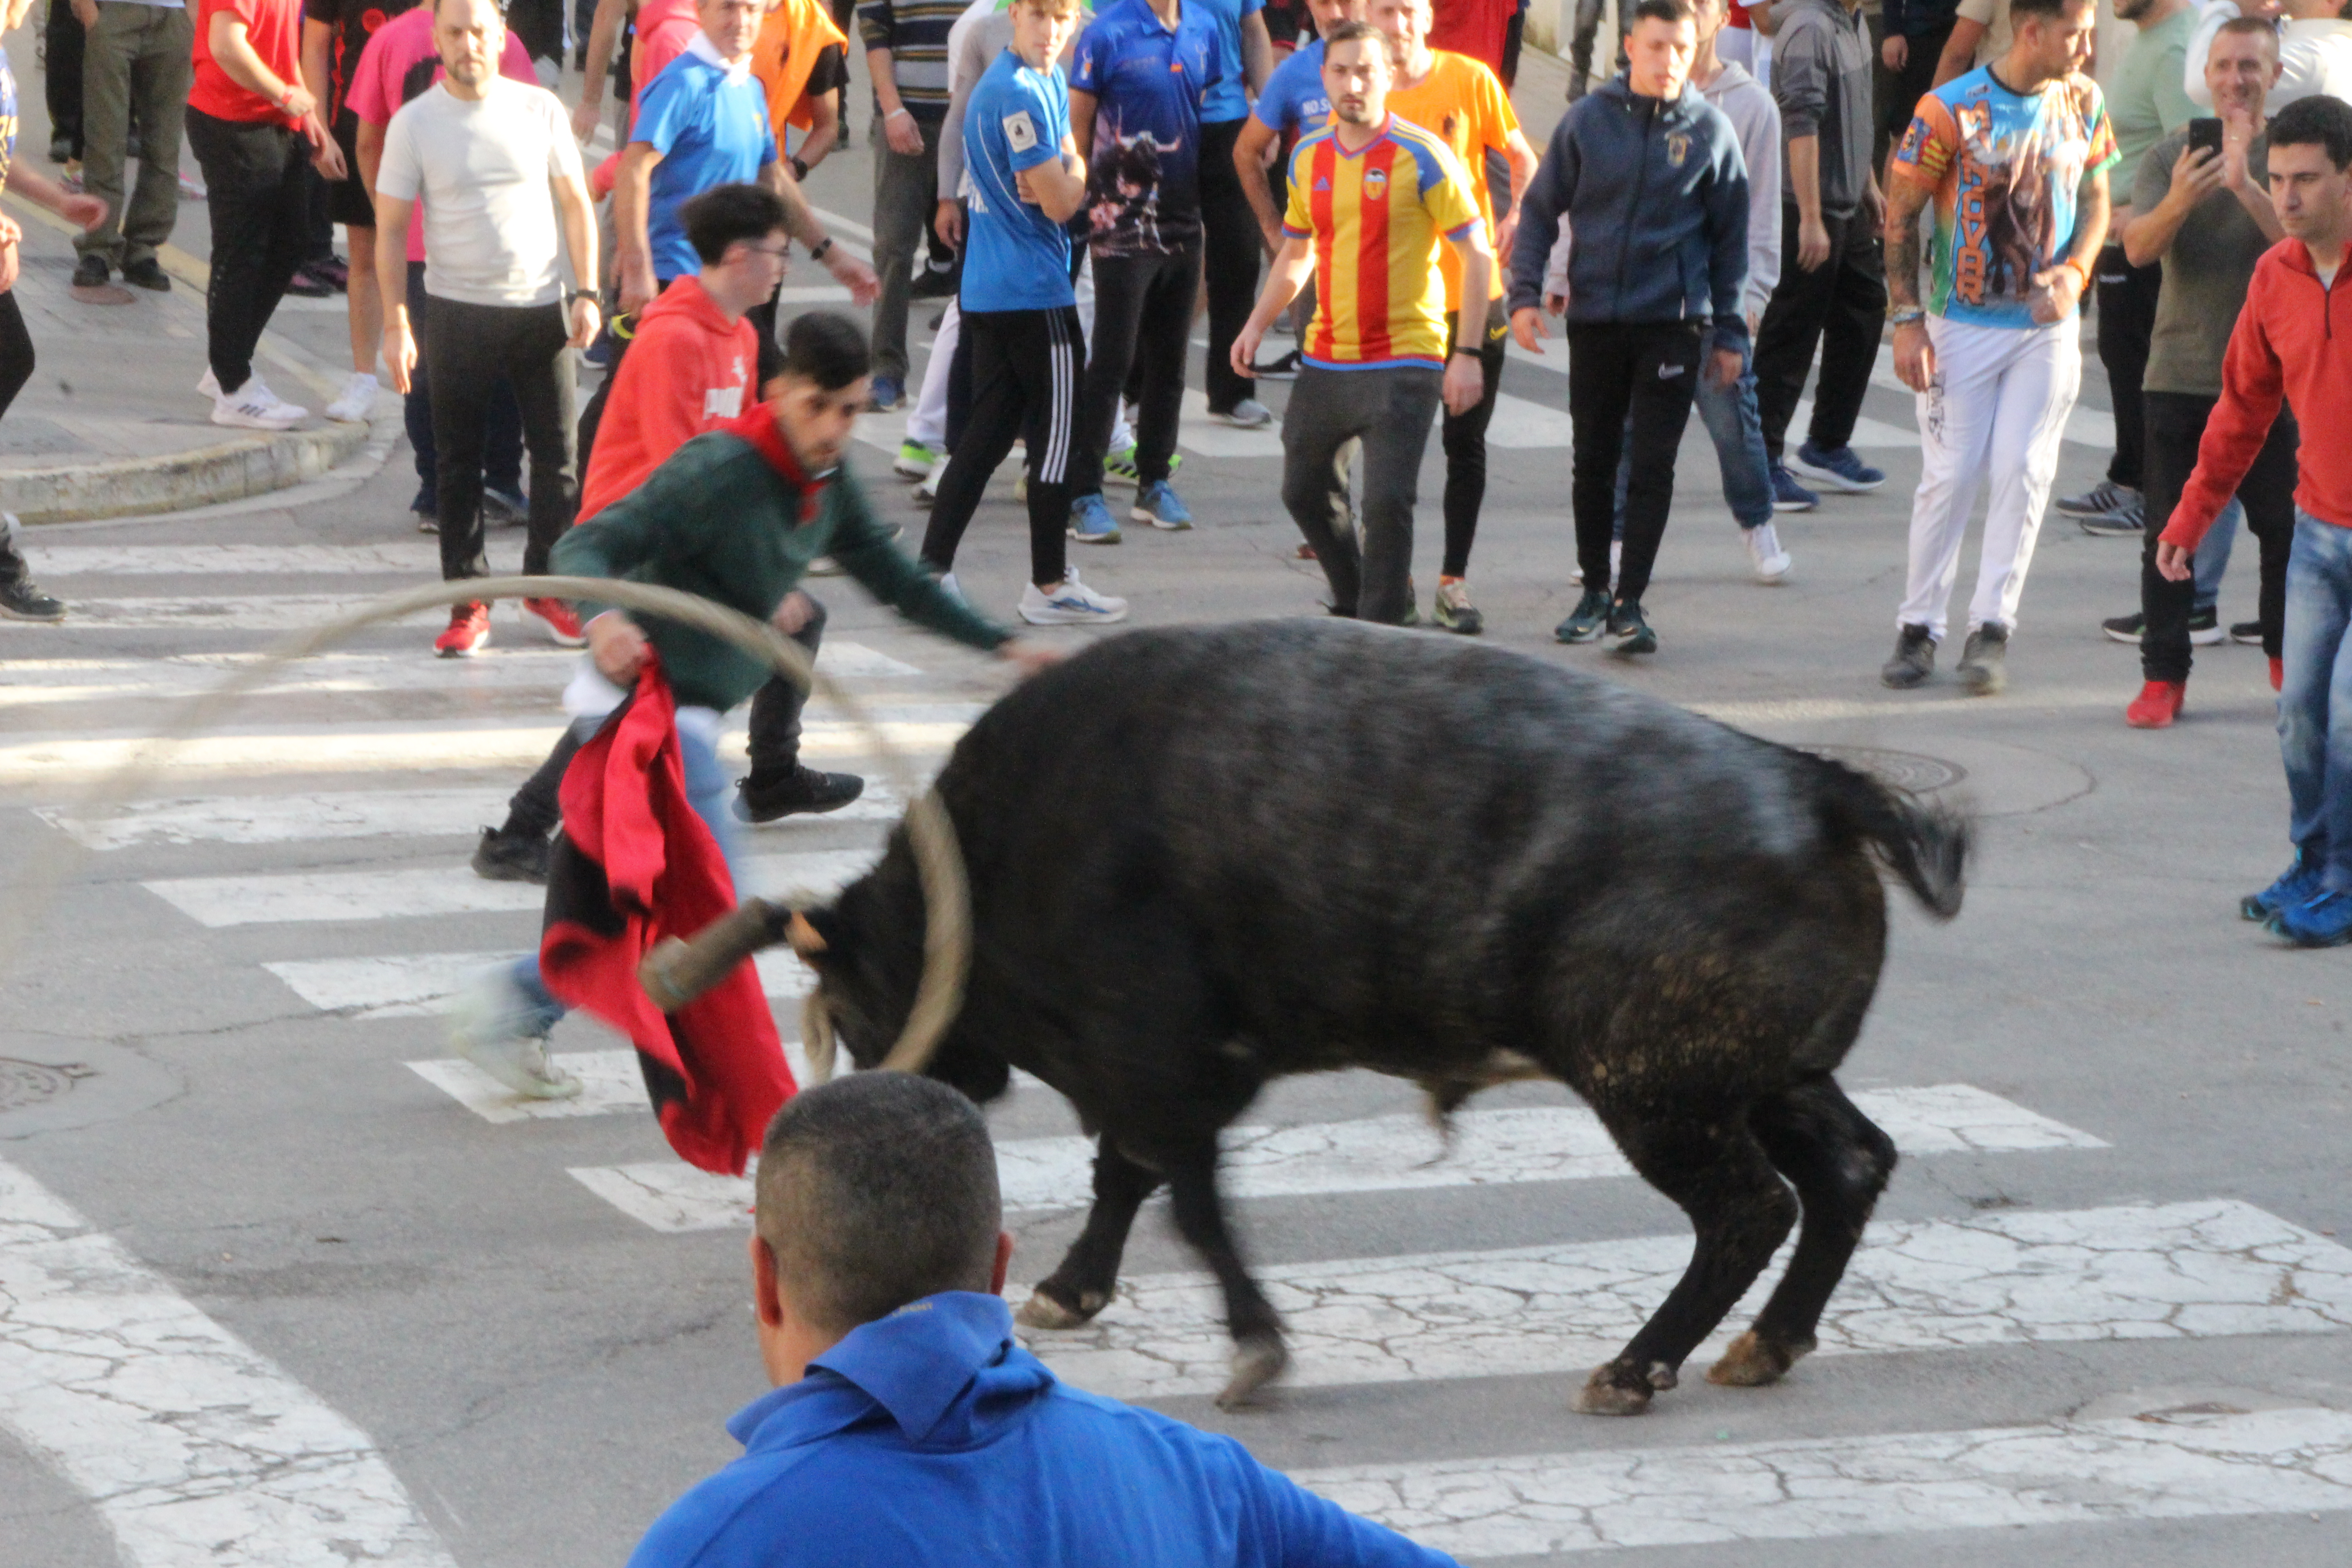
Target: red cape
634,864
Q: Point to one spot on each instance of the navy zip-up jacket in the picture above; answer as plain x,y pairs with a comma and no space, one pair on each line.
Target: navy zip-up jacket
1656,192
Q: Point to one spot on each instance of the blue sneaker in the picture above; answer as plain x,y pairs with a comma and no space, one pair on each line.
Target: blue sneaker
1157,505
1788,495
2324,919
1836,468
1091,522
2297,883
887,392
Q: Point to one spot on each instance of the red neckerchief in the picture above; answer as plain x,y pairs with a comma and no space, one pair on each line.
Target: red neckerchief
757,425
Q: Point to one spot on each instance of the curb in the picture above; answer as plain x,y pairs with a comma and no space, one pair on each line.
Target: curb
231,470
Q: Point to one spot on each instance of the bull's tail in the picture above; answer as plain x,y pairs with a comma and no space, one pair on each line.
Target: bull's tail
1924,843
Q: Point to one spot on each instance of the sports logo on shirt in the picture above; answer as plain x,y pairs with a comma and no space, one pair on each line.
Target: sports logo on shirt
1020,131
1678,149
1376,184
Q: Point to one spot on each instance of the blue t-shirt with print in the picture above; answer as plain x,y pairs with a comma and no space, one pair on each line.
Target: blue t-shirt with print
1143,171
1225,100
1016,257
1293,98
711,129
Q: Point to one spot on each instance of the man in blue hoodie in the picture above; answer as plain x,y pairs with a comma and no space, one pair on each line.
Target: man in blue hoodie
1649,177
907,1428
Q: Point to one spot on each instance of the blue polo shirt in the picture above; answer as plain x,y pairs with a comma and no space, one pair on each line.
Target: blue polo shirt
1015,258
930,1437
1143,171
1226,99
711,126
1294,100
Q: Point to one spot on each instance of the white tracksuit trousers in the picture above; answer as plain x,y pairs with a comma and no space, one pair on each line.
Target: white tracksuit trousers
1996,409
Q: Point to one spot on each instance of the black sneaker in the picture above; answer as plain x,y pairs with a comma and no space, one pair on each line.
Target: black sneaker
802,792
2205,627
1914,660
1981,670
2128,628
933,283
503,856
148,275
21,600
2247,632
427,510
1588,620
90,272
1284,368
1632,632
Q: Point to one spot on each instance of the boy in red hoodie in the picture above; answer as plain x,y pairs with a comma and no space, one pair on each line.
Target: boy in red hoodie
2286,346
689,369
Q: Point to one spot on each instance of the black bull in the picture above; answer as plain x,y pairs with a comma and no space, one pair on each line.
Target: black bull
1201,859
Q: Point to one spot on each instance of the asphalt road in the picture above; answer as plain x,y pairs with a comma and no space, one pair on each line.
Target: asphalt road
2104,1318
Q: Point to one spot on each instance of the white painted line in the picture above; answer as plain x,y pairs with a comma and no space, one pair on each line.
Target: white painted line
415,984
190,1445
2190,1270
226,613
1388,1154
1870,433
270,560
1213,437
835,224
812,294
321,895
2167,1465
610,1083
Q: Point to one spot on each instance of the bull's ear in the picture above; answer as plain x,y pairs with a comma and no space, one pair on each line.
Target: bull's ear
812,933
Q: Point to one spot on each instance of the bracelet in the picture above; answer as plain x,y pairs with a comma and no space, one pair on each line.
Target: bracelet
2078,269
1474,353
818,251
1906,317
573,296
898,112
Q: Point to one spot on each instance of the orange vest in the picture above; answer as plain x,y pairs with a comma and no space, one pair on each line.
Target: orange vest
792,38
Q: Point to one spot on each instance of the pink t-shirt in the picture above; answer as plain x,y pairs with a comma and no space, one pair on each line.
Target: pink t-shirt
393,69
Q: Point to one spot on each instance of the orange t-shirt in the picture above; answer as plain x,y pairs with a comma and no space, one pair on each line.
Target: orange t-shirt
688,369
1463,104
274,29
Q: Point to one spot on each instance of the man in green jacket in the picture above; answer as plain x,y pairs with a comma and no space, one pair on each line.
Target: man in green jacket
736,516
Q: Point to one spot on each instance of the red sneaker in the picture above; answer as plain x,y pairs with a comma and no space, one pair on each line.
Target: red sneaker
2278,675
555,616
468,633
2158,705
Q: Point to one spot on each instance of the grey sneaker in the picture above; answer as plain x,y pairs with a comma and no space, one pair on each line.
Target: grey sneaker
1585,623
2104,497
487,1027
1914,660
1453,610
2128,519
1981,669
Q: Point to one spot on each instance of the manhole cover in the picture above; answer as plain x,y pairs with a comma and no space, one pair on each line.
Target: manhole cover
1905,770
35,1083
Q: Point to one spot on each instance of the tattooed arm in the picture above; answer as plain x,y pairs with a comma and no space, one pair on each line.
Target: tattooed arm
1914,357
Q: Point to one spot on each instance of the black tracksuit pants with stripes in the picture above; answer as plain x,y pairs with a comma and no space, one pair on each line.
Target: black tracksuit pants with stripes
1025,369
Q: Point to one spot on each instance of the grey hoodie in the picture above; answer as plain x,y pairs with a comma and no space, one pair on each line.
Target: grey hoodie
1822,73
1657,191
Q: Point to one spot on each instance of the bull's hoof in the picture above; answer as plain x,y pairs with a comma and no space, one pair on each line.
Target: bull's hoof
1662,1377
1753,1361
1257,1360
1043,1312
1613,1390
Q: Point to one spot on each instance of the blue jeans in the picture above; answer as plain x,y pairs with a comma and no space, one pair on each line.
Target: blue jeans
707,789
2212,557
1730,415
2314,706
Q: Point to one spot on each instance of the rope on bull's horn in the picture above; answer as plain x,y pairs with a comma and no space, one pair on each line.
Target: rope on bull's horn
931,834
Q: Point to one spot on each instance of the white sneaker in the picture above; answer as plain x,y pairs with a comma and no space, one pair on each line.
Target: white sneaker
1772,562
952,589
357,400
825,566
483,1028
208,383
1071,605
929,489
254,406
1249,414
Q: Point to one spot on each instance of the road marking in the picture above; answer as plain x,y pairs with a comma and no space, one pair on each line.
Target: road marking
2165,1466
2187,1270
1204,433
190,1445
1379,1153
254,559
311,897
610,1084
415,984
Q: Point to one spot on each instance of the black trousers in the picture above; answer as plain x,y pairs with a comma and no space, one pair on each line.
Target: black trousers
2126,321
1143,323
1465,437
1234,244
16,352
538,808
1025,366
467,349
502,424
1649,371
2176,422
257,189
1840,306
63,39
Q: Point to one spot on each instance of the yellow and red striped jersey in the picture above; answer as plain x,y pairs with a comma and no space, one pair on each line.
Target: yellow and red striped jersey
1377,218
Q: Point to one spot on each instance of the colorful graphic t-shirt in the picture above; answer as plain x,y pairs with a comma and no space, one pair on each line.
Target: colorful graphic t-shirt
1016,257
2005,168
1465,104
1143,171
1376,218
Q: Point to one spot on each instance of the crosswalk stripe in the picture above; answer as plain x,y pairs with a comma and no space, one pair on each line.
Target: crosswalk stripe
2189,1464
415,984
412,559
341,896
192,1446
339,814
609,1080
2172,1271
1379,1153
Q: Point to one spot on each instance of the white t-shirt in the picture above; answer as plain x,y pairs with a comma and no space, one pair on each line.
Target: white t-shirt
482,171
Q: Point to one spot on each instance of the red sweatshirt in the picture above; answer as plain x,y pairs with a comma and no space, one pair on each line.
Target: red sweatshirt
2283,347
688,369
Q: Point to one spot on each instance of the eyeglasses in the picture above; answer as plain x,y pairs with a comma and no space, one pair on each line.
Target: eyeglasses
772,252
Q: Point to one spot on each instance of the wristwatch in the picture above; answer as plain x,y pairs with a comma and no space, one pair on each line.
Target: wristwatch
799,169
818,251
573,296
